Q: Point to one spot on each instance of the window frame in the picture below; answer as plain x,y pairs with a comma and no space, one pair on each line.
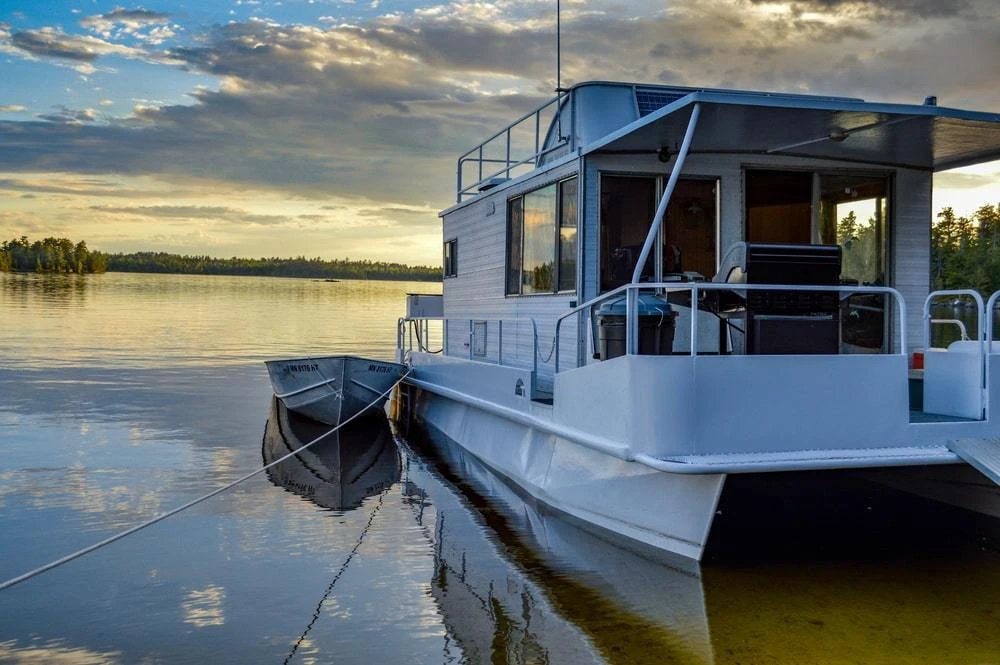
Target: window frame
449,264
557,258
889,222
656,256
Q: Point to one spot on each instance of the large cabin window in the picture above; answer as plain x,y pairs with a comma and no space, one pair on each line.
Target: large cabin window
541,240
852,214
688,238
823,208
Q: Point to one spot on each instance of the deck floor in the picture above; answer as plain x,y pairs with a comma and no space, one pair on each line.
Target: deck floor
921,417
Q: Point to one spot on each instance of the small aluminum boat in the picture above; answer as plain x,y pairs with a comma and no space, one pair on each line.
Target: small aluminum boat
334,388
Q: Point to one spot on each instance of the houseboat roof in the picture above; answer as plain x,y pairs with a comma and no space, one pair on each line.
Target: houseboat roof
631,118
924,136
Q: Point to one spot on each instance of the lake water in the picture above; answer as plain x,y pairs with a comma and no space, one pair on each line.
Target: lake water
122,396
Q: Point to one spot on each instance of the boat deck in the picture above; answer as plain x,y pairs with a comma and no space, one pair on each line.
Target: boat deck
921,417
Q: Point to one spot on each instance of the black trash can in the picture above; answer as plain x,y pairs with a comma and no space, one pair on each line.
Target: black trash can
656,327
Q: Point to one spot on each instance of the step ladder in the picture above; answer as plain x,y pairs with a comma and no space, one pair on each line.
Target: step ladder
983,454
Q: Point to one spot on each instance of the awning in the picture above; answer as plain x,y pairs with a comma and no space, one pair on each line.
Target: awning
898,135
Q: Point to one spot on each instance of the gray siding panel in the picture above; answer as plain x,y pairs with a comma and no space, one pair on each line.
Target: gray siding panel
477,292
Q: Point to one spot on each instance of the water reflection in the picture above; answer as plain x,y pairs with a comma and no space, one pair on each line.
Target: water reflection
540,589
57,290
793,591
342,469
204,607
54,653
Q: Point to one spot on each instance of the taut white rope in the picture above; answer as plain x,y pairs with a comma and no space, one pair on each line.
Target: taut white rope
107,541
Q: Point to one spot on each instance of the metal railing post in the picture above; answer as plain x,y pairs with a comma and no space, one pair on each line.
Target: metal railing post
694,319
507,165
661,209
631,324
500,343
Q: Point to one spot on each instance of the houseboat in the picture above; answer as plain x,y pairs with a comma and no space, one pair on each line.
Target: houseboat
651,291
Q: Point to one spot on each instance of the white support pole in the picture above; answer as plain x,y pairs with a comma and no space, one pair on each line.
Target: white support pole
661,209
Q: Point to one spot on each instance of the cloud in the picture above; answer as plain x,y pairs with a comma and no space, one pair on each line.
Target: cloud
133,18
53,43
12,108
380,110
965,180
68,116
912,9
221,214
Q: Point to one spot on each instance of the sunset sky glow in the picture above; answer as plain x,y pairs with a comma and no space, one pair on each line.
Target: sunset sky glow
331,127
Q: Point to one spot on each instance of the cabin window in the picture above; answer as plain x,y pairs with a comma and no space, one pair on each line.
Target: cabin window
852,214
688,236
628,204
541,240
451,258
823,208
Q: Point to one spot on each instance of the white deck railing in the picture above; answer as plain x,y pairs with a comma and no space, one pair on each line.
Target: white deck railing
500,148
696,289
417,330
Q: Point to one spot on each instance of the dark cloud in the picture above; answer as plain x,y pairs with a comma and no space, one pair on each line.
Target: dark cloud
56,44
69,116
913,9
85,186
222,214
683,49
52,44
122,15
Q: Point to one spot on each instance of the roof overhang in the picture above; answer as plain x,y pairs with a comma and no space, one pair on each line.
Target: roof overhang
923,137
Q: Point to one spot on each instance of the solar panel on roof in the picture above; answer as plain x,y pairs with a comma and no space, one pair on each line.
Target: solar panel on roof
650,100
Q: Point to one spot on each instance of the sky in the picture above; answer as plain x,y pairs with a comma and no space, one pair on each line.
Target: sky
331,128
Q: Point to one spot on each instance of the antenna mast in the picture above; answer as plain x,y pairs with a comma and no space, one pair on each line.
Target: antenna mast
558,53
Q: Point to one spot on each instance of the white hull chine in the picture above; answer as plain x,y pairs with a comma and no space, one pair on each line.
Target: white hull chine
671,512
332,389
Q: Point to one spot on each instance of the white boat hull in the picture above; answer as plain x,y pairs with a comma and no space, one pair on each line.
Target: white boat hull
667,511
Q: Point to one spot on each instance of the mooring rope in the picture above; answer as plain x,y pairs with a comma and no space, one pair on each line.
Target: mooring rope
128,532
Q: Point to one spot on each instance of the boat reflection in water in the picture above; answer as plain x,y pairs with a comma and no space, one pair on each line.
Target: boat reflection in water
799,593
357,461
516,583
512,582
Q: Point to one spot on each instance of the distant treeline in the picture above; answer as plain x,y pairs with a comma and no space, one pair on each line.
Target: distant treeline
965,251
60,255
52,255
269,267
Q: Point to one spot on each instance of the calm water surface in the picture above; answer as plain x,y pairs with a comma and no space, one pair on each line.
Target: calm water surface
122,396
